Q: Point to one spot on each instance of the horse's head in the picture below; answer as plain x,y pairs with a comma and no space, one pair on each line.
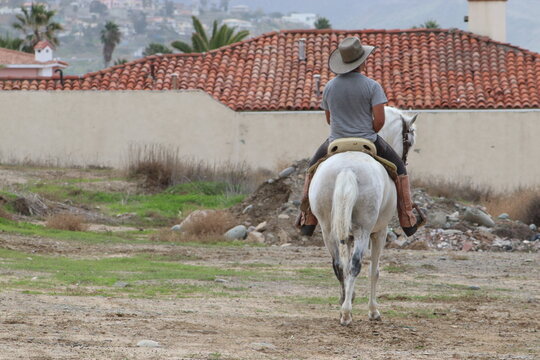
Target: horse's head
399,130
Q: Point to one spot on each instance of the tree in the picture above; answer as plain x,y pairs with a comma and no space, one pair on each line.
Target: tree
322,23
98,7
120,61
429,24
110,37
36,24
156,48
7,42
221,36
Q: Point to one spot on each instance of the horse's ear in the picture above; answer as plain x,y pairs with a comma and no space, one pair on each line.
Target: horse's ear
413,119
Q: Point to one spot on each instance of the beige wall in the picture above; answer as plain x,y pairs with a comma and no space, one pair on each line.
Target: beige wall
499,148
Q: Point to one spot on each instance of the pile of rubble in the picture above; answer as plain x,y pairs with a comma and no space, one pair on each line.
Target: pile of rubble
268,216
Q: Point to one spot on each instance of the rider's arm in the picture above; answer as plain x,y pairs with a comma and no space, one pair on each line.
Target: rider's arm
378,117
327,116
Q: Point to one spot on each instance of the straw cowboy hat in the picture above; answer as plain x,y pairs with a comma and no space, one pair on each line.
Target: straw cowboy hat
349,55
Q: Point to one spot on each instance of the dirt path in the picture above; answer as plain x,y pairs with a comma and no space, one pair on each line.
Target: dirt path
500,320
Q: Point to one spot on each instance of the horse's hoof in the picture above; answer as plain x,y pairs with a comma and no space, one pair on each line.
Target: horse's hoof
346,320
375,316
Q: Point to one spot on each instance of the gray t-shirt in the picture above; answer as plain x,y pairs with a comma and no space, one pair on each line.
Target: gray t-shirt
350,98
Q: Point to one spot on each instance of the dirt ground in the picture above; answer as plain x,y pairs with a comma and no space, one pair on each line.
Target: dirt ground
502,322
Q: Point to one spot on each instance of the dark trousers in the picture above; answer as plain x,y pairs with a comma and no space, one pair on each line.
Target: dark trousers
383,150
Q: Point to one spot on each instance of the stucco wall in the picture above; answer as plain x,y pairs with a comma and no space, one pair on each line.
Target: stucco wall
96,128
488,18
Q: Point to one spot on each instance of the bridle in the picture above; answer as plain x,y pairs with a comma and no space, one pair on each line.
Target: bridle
407,135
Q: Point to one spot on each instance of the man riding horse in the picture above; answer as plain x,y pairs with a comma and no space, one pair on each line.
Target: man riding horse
354,107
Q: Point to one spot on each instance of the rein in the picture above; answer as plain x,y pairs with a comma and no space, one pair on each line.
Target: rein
405,132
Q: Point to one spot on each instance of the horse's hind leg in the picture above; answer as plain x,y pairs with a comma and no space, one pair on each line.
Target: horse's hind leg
352,269
377,243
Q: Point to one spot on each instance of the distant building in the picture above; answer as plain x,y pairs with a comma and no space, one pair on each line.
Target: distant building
239,9
123,4
21,65
307,19
238,24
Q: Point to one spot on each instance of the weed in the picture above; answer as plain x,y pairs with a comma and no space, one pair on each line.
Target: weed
211,223
5,215
167,235
522,204
396,269
454,256
66,221
162,166
460,190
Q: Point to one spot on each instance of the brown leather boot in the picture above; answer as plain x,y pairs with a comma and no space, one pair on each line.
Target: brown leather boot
408,221
306,221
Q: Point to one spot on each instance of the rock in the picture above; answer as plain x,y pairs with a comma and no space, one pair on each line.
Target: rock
196,215
474,215
533,227
391,236
121,284
504,216
296,203
467,246
450,232
286,245
535,237
222,281
263,346
418,245
283,216
453,217
437,219
287,172
270,181
255,237
474,287
247,209
283,236
237,232
251,228
148,343
261,227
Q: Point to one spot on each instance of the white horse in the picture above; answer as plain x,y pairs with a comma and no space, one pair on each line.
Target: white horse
354,199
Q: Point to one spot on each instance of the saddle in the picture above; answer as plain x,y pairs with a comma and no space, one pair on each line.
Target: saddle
356,144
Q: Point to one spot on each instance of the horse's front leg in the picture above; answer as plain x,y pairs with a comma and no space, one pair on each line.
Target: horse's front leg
377,242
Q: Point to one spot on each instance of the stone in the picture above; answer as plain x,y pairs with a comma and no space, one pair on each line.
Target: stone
474,287
261,227
148,343
286,245
533,227
535,237
255,237
222,281
247,209
296,203
437,219
237,232
260,346
270,181
196,215
450,232
474,215
504,216
287,172
453,217
467,246
121,284
283,216
251,228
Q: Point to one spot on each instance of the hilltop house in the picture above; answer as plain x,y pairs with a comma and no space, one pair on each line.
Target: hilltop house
21,65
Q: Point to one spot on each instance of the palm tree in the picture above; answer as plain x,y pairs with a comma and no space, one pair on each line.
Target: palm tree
429,24
36,24
110,37
221,36
322,23
7,42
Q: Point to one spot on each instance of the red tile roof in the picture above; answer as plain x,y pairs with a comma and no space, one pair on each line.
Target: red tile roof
14,57
43,44
419,69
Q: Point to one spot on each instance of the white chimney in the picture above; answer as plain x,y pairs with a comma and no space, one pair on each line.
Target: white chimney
43,51
488,18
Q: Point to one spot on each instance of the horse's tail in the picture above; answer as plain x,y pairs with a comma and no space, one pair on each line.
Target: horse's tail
344,199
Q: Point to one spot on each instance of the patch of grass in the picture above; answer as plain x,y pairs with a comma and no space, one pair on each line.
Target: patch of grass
167,204
522,204
23,228
464,190
406,313
146,277
396,269
467,296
